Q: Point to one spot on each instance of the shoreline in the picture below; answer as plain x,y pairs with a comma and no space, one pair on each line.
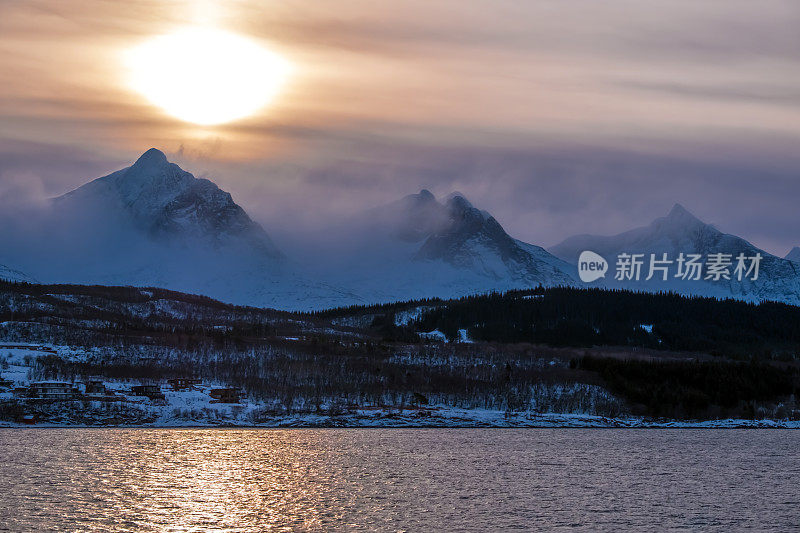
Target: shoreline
461,420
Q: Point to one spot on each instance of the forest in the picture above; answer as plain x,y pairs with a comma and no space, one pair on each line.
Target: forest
606,353
595,317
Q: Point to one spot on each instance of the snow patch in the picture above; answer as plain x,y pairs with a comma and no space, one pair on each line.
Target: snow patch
463,336
434,335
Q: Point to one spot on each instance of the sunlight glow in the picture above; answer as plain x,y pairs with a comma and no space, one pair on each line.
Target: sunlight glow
206,76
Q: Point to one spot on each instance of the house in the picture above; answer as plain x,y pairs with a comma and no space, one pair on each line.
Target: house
52,390
94,388
228,395
179,384
150,391
21,392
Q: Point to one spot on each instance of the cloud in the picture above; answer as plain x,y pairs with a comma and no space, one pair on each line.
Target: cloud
555,116
775,94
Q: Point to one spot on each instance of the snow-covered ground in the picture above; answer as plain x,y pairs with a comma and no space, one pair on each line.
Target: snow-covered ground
407,316
192,407
196,408
434,335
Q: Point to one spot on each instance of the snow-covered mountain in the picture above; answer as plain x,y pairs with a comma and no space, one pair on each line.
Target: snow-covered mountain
681,232
9,274
474,240
458,234
154,224
420,247
172,206
794,254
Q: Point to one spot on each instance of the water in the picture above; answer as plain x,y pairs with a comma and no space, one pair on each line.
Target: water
398,479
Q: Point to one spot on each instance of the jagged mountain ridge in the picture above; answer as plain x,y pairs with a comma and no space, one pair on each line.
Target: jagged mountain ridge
682,232
169,203
473,239
154,224
470,241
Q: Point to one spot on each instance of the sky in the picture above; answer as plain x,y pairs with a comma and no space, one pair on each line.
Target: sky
557,117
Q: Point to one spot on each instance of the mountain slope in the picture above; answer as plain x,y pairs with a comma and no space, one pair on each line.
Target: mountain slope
10,274
419,247
678,230
171,205
793,255
473,240
153,224
681,232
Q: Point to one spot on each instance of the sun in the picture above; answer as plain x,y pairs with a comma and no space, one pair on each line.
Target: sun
206,76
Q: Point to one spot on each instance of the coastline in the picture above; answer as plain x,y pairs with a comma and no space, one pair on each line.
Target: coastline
454,418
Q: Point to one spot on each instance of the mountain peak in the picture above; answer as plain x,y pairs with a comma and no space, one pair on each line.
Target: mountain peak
151,158
678,211
794,254
458,199
679,217
169,203
423,197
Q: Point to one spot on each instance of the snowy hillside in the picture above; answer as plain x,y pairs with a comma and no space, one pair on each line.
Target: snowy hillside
681,232
171,205
111,356
9,274
473,240
420,247
155,225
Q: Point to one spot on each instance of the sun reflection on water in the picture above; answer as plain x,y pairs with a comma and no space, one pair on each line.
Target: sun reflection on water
222,481
391,480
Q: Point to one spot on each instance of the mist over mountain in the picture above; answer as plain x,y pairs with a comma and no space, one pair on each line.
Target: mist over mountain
10,274
154,224
171,206
681,232
665,234
419,247
473,239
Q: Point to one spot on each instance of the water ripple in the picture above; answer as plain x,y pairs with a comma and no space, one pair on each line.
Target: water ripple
397,480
